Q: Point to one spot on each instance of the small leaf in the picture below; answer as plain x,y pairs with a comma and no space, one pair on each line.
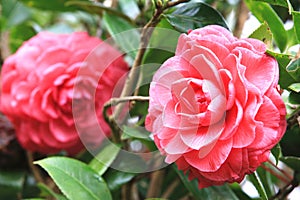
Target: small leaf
258,185
295,87
276,151
96,8
292,162
296,19
263,33
72,176
124,33
285,79
115,179
264,12
104,158
135,132
48,191
294,69
194,15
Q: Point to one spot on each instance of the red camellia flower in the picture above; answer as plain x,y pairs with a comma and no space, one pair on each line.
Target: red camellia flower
38,83
214,107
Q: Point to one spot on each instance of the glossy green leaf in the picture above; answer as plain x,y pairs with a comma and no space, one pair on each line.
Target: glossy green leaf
276,151
258,185
71,175
292,162
294,97
115,179
285,79
211,193
104,158
295,87
264,34
49,192
13,13
135,132
296,19
294,69
124,33
264,12
194,15
237,189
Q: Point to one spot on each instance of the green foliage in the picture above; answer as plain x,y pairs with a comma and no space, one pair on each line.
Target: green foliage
11,183
258,185
194,15
264,34
72,175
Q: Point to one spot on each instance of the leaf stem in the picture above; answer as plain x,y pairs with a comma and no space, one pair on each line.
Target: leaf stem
33,168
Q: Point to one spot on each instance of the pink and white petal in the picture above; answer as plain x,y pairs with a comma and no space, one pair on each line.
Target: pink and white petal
213,161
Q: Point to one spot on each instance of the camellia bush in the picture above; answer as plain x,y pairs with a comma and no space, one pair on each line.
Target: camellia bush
150,99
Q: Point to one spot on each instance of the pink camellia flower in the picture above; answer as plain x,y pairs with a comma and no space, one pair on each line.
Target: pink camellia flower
38,89
214,107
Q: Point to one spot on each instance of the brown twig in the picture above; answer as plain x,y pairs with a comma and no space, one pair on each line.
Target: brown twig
280,170
155,184
241,16
282,178
146,33
286,190
4,45
293,119
170,189
33,168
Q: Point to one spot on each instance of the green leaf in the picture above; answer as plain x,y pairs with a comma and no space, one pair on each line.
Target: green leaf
265,178
210,193
194,15
115,179
258,185
135,132
284,3
285,79
276,151
294,97
53,5
48,191
104,158
75,179
130,8
124,33
13,13
263,33
264,12
296,19
295,87
292,162
11,183
294,69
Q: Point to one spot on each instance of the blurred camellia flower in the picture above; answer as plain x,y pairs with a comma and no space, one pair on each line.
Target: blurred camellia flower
38,89
214,107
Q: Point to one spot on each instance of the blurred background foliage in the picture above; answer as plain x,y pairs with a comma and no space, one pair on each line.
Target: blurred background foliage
276,22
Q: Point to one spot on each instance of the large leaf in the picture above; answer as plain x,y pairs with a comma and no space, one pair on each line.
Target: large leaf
211,193
104,158
124,33
46,191
296,19
13,13
53,5
264,12
285,79
194,15
75,179
115,179
284,3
